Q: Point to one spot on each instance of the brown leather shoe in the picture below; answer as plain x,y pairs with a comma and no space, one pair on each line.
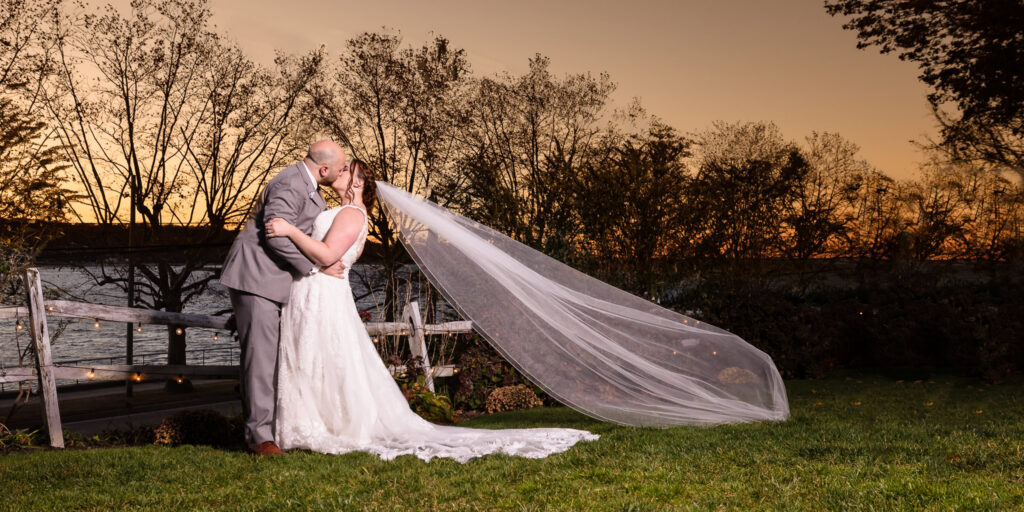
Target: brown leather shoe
266,448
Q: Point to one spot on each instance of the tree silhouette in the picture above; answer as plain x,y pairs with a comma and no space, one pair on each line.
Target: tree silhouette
160,119
825,194
33,196
747,183
398,108
970,53
527,139
630,204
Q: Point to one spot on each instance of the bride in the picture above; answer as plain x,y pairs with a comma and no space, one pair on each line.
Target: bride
334,393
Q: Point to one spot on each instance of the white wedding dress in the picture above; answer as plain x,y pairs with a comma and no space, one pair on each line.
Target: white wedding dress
335,395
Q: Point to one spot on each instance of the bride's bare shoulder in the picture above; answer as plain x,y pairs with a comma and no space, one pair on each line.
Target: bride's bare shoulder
348,218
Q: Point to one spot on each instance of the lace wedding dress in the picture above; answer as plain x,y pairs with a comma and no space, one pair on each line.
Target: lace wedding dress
335,395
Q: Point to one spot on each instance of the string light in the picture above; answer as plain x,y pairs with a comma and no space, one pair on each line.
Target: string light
139,328
178,379
216,337
714,352
138,377
375,339
49,309
178,331
91,374
96,324
18,326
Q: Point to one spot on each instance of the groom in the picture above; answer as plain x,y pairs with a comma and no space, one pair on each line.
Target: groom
258,273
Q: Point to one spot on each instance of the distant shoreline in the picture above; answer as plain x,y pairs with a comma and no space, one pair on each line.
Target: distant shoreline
94,244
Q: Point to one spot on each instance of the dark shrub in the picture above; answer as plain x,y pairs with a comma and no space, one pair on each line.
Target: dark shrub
198,427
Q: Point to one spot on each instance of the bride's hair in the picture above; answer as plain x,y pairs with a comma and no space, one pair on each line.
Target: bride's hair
369,183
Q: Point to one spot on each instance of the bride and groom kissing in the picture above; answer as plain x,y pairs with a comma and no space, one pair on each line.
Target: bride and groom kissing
311,376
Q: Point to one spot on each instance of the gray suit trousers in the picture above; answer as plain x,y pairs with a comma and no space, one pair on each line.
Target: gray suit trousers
258,320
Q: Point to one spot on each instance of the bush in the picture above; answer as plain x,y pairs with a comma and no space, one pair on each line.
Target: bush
15,440
137,436
199,427
481,371
511,398
433,407
895,318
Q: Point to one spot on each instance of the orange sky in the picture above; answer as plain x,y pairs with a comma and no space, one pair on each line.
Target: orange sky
690,62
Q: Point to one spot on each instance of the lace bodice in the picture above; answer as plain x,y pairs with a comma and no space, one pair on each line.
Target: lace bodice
323,223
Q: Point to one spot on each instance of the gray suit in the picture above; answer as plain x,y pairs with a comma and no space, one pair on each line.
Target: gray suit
259,272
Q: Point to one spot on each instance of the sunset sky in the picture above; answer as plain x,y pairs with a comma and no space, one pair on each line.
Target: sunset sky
689,62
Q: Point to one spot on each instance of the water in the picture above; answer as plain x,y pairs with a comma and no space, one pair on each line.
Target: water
81,340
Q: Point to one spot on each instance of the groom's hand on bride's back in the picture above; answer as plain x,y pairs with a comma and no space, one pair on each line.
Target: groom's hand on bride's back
336,269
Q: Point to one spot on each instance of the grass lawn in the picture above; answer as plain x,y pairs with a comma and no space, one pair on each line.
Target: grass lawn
863,442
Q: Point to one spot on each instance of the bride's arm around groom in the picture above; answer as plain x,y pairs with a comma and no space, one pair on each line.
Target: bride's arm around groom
266,266
286,201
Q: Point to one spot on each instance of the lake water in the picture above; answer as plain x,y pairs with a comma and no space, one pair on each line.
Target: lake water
81,340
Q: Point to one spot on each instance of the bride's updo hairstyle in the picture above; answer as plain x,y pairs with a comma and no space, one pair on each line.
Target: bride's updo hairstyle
363,170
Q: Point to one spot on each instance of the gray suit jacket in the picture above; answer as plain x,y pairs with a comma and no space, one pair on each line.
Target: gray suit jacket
266,266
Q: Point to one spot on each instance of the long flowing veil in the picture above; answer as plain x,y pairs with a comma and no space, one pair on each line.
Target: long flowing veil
598,349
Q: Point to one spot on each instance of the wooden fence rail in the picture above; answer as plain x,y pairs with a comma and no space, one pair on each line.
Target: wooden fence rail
47,372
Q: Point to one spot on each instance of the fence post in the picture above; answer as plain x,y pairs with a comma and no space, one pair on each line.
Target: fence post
44,361
417,341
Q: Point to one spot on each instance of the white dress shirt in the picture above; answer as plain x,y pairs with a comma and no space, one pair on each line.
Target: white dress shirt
310,174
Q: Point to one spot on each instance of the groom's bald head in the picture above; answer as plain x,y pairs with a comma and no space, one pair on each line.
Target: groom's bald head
325,159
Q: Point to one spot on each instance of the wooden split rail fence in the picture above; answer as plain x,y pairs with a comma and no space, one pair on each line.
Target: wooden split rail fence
47,372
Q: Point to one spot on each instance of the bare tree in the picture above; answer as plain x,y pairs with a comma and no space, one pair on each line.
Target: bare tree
747,183
33,198
937,211
877,218
736,144
979,213
400,109
527,140
824,195
247,127
629,205
22,27
163,120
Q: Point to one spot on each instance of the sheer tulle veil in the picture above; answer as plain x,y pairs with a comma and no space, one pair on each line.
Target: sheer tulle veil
598,349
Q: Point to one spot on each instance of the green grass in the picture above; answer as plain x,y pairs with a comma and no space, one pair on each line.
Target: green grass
892,452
